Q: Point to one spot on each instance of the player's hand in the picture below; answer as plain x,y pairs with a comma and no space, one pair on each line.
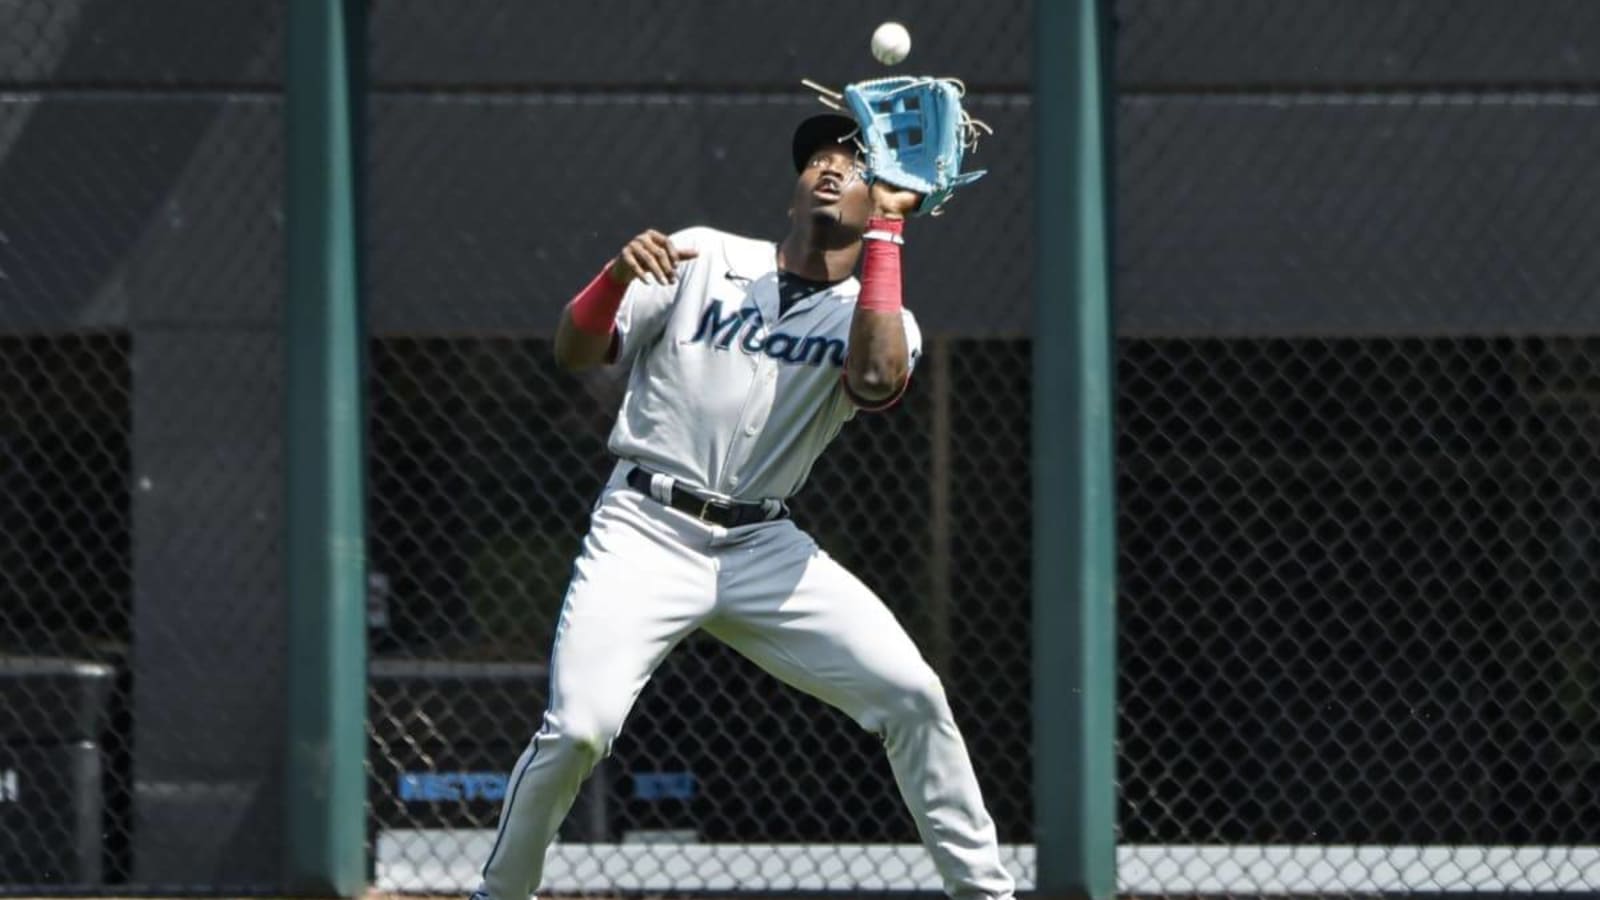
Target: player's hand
650,256
892,202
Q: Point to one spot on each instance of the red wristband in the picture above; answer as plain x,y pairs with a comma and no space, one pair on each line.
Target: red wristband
880,270
594,310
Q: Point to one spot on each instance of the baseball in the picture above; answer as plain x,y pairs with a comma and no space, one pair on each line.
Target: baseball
890,43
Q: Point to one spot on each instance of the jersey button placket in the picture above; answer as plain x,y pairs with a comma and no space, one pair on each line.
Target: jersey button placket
758,406
766,396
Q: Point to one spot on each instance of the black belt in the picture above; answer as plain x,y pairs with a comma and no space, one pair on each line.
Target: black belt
716,512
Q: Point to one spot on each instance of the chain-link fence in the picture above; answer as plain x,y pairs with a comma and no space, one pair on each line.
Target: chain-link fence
1357,447
140,275
1357,484
1359,610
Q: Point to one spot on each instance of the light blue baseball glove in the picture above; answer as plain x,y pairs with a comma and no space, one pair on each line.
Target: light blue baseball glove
914,132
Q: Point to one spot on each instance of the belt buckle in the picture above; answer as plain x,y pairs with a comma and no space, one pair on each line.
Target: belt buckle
705,510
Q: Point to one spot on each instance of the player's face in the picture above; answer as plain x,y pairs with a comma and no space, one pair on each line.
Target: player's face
833,186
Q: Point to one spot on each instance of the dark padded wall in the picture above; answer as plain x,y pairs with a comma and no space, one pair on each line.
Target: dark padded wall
1418,44
1356,168
1281,169
526,197
699,44
548,135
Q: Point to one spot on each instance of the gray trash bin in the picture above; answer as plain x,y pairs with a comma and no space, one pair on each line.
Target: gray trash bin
52,713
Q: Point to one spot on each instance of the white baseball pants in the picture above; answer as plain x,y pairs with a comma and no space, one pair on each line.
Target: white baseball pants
646,577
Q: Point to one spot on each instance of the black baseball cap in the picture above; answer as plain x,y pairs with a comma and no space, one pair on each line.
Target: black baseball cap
817,131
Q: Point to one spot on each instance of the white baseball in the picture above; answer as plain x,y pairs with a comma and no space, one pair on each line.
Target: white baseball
890,43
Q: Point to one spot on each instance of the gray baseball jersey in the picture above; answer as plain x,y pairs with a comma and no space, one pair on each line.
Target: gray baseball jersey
726,395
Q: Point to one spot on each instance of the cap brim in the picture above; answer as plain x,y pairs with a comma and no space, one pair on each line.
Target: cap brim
818,131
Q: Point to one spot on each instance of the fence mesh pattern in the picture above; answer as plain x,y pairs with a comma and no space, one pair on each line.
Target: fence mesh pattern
1358,406
1355,451
139,283
1358,588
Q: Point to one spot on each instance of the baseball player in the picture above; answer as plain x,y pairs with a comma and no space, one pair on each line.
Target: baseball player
746,359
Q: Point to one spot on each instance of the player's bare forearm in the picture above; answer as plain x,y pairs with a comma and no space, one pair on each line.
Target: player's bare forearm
577,349
587,330
877,363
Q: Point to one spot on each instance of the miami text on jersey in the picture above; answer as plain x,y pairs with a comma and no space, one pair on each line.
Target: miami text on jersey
719,332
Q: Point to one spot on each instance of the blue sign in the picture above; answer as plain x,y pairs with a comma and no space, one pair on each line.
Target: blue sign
663,785
443,787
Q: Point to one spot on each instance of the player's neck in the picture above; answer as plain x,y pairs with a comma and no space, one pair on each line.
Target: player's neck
819,254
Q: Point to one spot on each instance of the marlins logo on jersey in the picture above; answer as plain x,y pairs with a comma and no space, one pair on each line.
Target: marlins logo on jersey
720,332
725,394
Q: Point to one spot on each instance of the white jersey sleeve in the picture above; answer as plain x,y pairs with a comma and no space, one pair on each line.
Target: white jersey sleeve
913,353
646,307
913,340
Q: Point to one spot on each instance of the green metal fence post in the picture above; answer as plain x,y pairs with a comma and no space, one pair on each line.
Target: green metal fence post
325,543
1074,555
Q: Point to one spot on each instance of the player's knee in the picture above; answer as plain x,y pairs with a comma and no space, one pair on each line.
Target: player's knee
926,697
916,699
586,738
